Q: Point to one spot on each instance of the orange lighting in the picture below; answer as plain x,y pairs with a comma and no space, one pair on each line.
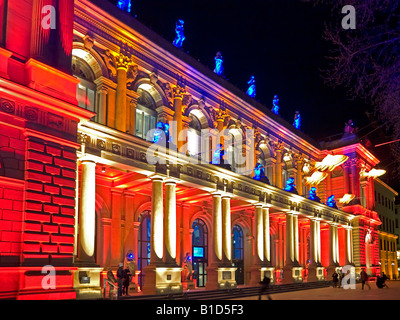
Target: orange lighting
330,162
347,198
374,173
316,177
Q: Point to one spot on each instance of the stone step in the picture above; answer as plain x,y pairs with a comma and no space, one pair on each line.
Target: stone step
230,293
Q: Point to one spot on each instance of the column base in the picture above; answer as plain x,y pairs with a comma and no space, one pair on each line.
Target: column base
221,278
315,273
188,285
292,274
87,283
162,280
258,273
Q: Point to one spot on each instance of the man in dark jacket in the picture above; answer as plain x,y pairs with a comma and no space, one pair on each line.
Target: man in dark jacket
120,279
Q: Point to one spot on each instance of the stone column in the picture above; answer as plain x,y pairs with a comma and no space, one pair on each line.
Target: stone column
270,170
299,174
178,93
258,235
120,100
87,214
296,238
157,222
278,165
216,243
170,224
348,245
332,250
267,239
346,177
355,180
226,231
86,263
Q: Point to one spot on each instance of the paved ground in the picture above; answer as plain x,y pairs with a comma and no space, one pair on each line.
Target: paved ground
391,293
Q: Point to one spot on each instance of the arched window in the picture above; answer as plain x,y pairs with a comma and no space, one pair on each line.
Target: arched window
194,136
237,243
238,253
86,89
146,115
200,251
143,244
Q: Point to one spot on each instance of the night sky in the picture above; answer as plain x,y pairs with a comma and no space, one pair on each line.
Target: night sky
280,43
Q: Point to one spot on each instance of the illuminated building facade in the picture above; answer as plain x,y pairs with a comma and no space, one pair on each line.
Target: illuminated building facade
78,192
385,206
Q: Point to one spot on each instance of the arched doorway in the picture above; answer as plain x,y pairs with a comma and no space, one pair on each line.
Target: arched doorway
200,252
237,253
143,245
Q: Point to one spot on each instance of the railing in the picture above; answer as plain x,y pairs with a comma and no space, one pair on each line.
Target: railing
110,290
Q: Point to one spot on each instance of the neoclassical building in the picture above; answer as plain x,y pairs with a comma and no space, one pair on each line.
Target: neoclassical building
85,186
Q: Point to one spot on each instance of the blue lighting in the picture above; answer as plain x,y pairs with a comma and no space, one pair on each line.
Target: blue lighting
290,186
297,120
275,105
124,5
219,69
198,252
180,37
218,155
259,174
331,202
251,91
313,195
161,133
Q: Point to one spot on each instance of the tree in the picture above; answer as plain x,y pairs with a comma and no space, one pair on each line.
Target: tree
366,60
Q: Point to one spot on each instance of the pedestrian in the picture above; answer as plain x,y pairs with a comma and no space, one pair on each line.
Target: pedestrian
335,279
120,279
264,287
384,278
127,280
341,276
364,280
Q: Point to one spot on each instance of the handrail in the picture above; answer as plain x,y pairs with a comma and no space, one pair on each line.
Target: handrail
113,290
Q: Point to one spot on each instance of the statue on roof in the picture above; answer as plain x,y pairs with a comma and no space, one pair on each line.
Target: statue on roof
297,120
124,5
313,195
275,105
251,91
331,202
349,128
219,69
259,174
290,186
180,37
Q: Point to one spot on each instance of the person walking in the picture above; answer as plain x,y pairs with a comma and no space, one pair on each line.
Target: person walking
384,278
335,279
364,279
120,279
127,280
264,287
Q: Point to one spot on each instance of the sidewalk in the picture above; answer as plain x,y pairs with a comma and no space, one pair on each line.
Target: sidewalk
391,293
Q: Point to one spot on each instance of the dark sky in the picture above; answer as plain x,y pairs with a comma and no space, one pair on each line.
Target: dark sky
281,43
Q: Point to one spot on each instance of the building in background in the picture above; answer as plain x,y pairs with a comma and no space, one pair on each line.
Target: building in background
385,205
84,187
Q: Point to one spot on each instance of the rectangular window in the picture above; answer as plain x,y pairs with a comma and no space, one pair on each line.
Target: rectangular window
143,123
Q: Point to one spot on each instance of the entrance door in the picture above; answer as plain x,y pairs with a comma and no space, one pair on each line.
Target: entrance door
143,245
237,254
200,252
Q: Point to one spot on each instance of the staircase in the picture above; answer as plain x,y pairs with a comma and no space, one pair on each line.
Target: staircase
239,292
